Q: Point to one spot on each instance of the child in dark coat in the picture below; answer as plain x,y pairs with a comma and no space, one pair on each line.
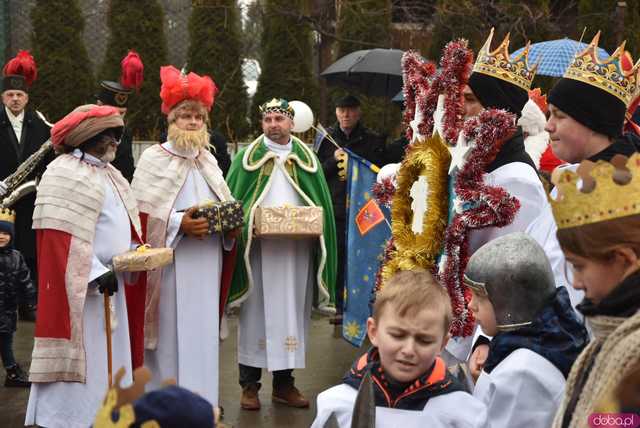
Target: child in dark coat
14,280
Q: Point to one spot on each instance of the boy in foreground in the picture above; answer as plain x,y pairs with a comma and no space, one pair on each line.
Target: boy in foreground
412,387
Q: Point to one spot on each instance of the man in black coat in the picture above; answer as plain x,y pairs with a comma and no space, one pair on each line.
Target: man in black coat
351,134
115,95
22,133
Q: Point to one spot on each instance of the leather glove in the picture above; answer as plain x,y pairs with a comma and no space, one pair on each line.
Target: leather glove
107,282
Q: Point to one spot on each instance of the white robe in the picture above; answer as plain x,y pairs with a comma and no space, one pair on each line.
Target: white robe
275,318
453,410
188,334
75,404
524,390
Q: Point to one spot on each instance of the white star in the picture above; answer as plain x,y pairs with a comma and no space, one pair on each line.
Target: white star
438,115
417,119
459,153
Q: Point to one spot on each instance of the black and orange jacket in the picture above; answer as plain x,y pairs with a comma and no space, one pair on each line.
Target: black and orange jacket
412,396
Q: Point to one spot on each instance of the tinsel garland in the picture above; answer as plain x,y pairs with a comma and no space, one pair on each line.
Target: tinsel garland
383,192
477,206
415,74
422,86
429,158
387,256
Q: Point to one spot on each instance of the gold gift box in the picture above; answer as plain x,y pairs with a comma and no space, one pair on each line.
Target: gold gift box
288,222
142,259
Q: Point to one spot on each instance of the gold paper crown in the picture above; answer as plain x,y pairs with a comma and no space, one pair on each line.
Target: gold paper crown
7,215
500,65
597,192
607,74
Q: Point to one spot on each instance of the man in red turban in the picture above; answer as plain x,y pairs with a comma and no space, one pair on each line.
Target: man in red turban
85,214
183,301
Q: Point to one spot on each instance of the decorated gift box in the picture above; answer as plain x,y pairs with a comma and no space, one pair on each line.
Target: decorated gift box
288,222
142,259
222,216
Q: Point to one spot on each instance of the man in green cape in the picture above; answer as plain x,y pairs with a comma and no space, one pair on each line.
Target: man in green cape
274,279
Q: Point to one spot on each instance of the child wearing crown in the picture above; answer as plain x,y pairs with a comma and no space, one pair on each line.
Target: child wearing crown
14,280
598,216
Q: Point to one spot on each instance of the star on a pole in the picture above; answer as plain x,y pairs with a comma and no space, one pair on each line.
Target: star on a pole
459,154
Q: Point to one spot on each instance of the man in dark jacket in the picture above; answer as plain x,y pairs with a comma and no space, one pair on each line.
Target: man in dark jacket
351,134
22,133
114,94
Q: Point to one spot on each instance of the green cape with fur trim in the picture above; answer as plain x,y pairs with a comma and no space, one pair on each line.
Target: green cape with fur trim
248,177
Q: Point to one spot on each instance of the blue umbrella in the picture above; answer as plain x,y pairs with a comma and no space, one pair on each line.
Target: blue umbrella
554,56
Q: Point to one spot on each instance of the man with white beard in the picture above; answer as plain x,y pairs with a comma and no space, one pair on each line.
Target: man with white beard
85,214
183,301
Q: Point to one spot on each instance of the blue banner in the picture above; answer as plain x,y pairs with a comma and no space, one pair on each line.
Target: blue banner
368,228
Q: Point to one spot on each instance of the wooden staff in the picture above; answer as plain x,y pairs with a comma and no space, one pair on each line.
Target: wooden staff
107,325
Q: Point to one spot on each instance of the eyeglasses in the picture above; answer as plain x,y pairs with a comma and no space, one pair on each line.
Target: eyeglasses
109,139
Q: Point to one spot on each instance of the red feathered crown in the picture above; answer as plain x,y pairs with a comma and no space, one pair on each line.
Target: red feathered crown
132,73
178,86
22,65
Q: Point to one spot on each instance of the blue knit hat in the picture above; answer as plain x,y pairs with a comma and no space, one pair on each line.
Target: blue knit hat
173,407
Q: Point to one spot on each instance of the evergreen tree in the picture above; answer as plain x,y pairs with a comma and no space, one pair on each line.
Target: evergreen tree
64,70
215,50
286,52
138,25
602,15
363,24
366,24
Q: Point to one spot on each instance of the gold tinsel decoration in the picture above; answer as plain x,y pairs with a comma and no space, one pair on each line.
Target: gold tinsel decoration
430,158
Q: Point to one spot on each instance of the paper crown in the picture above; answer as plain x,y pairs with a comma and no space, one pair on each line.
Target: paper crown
500,65
597,192
609,74
278,105
7,215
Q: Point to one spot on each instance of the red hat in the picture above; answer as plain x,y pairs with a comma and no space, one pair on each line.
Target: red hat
178,86
132,72
20,72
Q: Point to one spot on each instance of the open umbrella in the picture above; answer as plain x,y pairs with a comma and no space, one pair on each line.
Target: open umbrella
373,72
554,56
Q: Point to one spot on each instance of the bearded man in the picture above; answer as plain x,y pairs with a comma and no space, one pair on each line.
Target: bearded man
183,301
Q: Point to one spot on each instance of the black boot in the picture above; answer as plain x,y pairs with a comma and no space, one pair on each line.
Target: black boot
16,378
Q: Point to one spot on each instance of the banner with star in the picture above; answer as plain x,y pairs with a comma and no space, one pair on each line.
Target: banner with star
367,232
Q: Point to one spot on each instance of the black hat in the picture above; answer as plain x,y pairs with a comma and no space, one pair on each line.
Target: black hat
348,101
14,82
591,106
113,94
497,93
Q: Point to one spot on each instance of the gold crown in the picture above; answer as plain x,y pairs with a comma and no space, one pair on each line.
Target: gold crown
607,74
597,192
7,215
499,63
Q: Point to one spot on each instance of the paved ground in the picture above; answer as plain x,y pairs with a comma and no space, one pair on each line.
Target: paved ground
327,360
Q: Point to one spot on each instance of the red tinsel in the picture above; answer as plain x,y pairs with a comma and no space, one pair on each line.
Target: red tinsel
486,206
416,74
422,93
132,73
383,192
24,65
